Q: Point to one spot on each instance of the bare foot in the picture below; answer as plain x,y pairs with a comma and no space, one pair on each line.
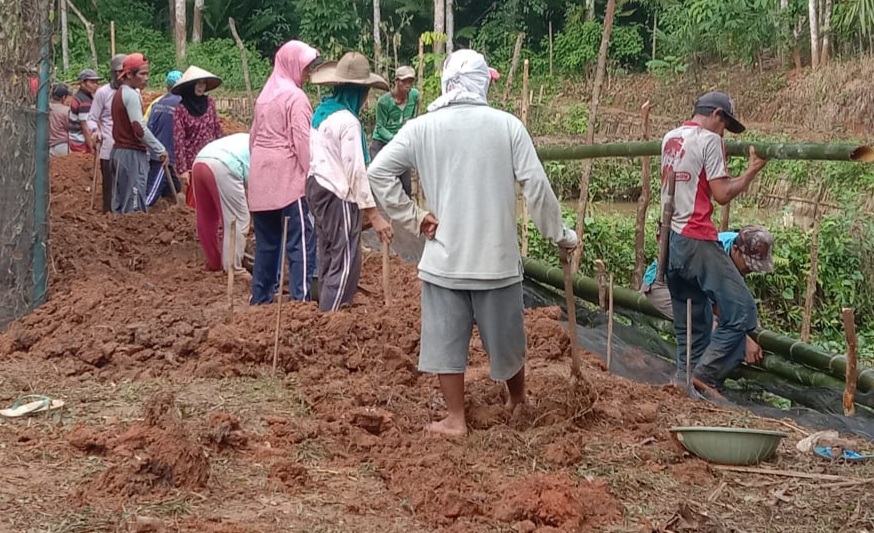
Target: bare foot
449,427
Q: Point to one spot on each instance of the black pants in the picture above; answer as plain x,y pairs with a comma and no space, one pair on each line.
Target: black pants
106,174
406,177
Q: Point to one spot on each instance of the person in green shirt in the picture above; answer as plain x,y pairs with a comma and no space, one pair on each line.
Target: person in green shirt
393,110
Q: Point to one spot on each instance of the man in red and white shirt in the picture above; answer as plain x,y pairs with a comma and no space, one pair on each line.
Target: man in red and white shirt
697,267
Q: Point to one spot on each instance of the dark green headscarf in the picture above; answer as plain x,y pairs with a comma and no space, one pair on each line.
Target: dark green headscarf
348,97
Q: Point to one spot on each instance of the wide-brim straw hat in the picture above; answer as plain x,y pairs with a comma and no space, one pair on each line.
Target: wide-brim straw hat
353,69
193,75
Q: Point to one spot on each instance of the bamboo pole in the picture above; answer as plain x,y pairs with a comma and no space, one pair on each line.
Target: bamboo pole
112,37
96,165
798,151
610,327
590,130
849,319
602,284
570,302
524,113
514,64
665,227
279,293
642,202
724,215
688,344
386,272
245,61
810,290
232,256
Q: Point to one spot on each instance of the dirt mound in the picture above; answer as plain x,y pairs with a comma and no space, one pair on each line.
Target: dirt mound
231,126
555,500
148,459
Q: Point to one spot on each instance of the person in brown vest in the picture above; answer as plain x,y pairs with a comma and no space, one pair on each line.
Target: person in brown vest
130,157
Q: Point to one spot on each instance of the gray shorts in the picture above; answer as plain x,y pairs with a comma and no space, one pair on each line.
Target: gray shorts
660,297
448,317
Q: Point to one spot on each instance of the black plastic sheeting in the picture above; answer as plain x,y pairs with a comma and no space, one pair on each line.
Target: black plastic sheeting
640,354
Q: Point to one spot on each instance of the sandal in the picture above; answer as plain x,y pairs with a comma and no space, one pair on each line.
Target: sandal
30,404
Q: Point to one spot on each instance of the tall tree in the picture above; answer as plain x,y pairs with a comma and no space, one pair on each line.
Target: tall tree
440,23
181,34
197,23
377,40
826,32
813,16
65,38
450,25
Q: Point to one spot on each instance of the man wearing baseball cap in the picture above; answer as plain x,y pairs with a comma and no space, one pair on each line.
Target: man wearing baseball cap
393,110
80,132
159,119
100,123
750,251
696,267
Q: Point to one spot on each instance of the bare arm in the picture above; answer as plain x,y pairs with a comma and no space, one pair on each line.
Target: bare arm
726,189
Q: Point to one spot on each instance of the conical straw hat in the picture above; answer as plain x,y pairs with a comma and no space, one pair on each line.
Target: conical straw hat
194,74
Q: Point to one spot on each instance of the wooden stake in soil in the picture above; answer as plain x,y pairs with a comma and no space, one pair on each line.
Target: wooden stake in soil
610,327
810,292
232,261
602,284
112,37
96,164
688,343
564,257
550,49
386,272
524,117
169,178
642,202
724,217
849,318
279,293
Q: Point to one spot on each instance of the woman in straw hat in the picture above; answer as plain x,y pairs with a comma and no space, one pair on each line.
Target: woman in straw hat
280,152
195,121
337,189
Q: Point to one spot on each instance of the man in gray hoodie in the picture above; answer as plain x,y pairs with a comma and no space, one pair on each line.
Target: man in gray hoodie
469,157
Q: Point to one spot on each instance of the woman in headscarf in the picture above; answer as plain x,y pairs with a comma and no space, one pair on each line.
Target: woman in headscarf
337,188
280,162
195,121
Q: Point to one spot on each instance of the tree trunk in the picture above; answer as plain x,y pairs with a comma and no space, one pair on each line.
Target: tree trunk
590,9
89,30
171,10
197,23
826,33
655,29
181,34
590,131
814,33
450,25
796,50
377,38
440,24
65,38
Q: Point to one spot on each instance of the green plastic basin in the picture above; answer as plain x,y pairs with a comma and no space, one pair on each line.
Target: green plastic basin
729,446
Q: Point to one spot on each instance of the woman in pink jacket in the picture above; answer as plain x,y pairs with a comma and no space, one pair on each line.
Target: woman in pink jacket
280,148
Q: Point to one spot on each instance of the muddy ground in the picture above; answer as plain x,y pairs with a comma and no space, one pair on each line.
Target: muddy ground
175,422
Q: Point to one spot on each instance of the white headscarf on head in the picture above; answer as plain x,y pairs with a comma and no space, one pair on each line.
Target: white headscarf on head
465,80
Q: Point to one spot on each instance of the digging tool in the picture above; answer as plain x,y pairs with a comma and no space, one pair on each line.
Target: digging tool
688,344
386,271
665,227
279,294
232,249
169,178
564,257
94,173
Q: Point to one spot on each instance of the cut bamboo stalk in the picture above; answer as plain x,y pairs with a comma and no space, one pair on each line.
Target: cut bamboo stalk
524,118
232,260
849,319
386,272
642,202
610,327
279,293
810,290
784,473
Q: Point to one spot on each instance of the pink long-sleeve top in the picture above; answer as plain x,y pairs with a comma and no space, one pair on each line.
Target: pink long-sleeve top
191,134
280,137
